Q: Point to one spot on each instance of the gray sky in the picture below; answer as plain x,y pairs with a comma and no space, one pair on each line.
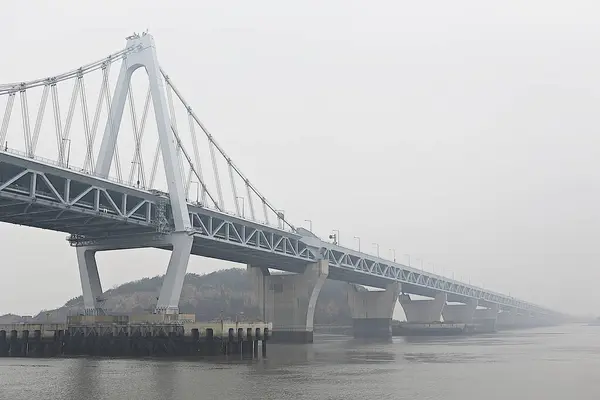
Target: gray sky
463,133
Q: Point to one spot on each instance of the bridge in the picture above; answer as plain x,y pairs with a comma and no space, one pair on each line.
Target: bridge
87,195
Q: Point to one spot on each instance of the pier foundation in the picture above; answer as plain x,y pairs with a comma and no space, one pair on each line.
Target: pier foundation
289,300
485,319
423,311
507,319
372,311
460,313
180,244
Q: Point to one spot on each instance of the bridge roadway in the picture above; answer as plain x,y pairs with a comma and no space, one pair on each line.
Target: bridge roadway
39,193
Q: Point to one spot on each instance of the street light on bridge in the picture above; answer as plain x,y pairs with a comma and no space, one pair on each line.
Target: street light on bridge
393,254
243,204
280,218
408,256
68,151
377,246
309,224
421,260
197,190
358,238
335,236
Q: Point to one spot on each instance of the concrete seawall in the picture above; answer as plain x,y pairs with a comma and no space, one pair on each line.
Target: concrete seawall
138,336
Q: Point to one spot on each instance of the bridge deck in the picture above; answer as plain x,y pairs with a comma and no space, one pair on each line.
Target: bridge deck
103,212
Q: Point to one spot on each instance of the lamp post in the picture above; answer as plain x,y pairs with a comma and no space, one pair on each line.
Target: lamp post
335,236
420,259
393,254
280,218
377,246
408,256
68,151
309,224
197,190
243,205
358,239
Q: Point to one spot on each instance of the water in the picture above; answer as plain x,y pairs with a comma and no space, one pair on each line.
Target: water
549,363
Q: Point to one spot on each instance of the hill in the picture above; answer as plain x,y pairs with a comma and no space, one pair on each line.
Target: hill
225,293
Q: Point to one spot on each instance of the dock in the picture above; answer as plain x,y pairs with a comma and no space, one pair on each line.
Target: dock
153,335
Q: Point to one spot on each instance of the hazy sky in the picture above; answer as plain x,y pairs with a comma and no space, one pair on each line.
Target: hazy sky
461,132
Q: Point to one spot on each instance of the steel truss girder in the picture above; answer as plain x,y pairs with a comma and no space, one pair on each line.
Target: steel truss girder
240,232
207,224
59,199
49,190
346,259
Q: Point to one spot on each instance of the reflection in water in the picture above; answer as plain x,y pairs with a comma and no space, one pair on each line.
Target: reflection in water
552,363
81,378
163,376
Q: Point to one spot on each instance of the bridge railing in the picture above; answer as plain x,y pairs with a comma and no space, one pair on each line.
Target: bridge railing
83,171
72,168
346,258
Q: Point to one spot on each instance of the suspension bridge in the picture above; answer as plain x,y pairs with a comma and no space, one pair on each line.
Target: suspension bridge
176,188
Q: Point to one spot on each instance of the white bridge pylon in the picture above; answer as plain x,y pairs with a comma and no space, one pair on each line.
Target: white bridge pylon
77,104
56,174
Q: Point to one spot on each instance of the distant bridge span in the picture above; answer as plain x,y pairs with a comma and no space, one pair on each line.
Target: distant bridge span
103,210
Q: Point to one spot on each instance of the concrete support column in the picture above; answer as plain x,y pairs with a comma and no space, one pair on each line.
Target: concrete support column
372,310
289,301
524,319
423,311
507,319
542,320
460,313
485,319
170,292
90,280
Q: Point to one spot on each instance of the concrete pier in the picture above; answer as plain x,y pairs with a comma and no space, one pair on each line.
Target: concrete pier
423,311
525,319
460,313
372,311
170,292
289,300
506,319
485,319
135,336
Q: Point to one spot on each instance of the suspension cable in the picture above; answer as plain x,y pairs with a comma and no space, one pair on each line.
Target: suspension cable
8,88
220,149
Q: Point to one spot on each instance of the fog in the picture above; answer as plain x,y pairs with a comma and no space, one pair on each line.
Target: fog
462,133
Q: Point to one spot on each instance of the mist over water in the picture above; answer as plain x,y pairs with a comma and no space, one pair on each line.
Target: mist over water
463,133
546,363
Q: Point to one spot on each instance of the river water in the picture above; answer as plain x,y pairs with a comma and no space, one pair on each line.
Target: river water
546,363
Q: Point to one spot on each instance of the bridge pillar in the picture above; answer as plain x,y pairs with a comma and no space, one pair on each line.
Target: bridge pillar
507,319
372,311
485,319
460,313
289,301
543,320
524,319
423,311
90,280
170,292
515,319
